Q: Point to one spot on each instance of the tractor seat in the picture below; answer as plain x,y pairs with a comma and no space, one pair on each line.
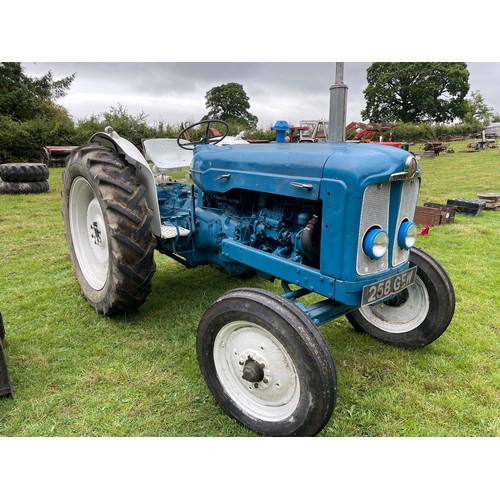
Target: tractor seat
166,155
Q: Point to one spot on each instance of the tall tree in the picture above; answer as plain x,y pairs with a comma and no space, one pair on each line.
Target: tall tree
23,97
30,118
478,110
230,102
416,92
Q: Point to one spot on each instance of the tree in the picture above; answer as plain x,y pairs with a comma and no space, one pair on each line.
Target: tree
30,118
477,110
416,92
23,97
229,102
134,128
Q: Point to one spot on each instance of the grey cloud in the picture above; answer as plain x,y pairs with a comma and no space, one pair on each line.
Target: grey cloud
175,91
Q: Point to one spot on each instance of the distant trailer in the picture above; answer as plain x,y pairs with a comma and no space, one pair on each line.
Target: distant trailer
492,130
55,156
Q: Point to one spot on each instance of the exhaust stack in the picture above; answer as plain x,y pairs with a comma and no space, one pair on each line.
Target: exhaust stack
338,107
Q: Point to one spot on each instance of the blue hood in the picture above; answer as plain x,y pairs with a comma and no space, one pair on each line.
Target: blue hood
271,167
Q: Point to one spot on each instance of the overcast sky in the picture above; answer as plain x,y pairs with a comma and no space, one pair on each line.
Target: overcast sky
174,92
227,31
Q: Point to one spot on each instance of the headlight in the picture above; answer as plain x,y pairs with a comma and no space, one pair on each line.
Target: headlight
376,243
407,235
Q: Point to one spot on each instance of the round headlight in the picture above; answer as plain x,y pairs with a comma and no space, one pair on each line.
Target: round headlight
376,243
407,235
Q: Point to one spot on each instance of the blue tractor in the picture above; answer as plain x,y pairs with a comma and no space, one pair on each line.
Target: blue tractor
332,221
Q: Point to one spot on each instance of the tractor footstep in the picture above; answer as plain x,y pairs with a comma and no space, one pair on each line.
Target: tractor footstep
168,232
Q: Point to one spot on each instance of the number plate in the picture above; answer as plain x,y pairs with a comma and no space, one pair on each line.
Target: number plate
385,288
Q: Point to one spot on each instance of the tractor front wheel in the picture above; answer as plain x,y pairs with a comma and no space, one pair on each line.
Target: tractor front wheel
416,316
266,363
108,229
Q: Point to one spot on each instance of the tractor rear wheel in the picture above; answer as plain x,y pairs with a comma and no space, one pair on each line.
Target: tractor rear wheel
266,363
108,229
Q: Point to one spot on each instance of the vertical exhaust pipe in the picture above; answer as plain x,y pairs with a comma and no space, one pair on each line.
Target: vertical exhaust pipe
338,107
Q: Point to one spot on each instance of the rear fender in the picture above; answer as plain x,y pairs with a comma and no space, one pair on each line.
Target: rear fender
110,139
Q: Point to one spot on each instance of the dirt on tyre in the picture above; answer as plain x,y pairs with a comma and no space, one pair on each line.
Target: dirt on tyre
24,187
266,363
24,172
416,316
108,229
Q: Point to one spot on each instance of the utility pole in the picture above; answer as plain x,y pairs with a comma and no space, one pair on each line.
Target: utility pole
338,107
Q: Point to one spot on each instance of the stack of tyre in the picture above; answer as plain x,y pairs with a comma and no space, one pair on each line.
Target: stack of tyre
24,178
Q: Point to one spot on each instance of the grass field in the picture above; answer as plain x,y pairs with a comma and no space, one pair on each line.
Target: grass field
76,373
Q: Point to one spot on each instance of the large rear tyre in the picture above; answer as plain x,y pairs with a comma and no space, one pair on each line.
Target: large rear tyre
266,363
108,230
416,316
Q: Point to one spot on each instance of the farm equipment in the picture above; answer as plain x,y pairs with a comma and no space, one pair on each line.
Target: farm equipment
55,156
332,221
317,131
437,147
310,131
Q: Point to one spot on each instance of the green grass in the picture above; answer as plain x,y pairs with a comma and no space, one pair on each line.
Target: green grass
76,373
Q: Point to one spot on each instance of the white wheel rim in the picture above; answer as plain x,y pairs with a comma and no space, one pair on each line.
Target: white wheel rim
275,397
403,318
88,232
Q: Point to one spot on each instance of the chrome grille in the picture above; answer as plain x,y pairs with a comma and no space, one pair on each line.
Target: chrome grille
409,196
374,212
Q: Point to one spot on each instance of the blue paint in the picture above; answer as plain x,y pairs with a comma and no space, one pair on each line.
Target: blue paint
253,206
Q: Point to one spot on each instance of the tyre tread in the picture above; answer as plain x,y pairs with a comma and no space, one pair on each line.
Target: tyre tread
24,172
319,355
132,248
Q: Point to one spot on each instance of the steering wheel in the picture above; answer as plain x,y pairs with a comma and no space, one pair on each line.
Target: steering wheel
206,139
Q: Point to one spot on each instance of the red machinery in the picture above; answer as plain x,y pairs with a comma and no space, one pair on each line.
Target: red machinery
56,155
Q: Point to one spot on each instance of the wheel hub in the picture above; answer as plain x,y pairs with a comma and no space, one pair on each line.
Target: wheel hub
96,233
256,370
398,300
88,231
401,313
253,371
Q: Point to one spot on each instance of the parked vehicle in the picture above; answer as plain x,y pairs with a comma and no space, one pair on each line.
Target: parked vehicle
332,221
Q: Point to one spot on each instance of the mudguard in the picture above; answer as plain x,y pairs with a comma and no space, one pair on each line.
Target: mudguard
111,139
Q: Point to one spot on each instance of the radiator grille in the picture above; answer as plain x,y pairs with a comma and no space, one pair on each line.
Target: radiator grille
409,196
374,212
